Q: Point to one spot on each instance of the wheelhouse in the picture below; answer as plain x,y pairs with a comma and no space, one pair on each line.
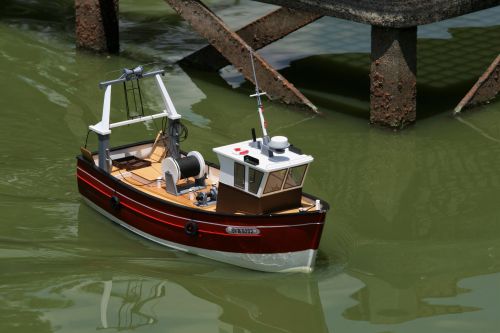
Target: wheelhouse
253,180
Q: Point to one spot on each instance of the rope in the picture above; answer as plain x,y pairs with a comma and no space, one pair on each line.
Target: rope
477,129
87,139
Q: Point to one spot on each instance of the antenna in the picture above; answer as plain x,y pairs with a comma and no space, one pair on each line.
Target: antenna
259,101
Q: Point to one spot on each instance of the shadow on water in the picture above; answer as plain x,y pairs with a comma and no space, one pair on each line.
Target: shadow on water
447,69
337,82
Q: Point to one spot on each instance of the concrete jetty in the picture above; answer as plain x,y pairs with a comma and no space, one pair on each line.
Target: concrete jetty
393,72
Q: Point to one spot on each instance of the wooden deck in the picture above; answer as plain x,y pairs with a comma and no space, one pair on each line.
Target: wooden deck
149,180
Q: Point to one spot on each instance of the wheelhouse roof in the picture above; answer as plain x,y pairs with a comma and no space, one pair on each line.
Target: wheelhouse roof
238,151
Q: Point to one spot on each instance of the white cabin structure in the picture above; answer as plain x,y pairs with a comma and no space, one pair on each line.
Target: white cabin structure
257,180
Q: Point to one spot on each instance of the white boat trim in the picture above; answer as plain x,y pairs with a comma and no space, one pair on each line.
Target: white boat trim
299,261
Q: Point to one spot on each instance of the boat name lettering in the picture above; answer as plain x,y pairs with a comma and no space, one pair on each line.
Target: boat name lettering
242,231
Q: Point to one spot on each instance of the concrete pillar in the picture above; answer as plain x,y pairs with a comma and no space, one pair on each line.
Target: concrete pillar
97,25
393,76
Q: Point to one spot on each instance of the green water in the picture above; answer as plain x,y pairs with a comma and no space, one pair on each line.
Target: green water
411,242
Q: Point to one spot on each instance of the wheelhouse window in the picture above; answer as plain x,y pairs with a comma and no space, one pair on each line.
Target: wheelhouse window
254,180
239,175
275,181
295,176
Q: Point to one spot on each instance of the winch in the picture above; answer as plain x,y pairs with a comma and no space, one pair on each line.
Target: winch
206,198
176,169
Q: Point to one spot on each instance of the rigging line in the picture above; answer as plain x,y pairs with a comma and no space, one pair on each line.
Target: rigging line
293,124
259,101
163,124
140,97
125,91
87,139
133,94
260,109
477,129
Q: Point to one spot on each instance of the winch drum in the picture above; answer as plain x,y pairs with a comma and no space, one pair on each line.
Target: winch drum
192,165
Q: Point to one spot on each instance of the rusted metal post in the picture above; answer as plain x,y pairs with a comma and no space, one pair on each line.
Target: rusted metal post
236,51
261,32
485,89
393,76
97,25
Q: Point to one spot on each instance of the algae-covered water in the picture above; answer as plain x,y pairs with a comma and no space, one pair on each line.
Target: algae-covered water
412,241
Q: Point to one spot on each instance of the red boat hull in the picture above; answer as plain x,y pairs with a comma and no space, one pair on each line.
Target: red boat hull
279,235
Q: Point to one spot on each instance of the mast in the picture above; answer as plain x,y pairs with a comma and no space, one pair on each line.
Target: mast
103,128
260,108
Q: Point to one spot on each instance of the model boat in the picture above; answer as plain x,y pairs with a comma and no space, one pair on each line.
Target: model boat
249,210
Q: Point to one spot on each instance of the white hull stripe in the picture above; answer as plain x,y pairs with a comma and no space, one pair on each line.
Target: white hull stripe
188,219
299,261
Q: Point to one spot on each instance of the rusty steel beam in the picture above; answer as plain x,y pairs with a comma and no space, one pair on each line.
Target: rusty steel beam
261,32
485,89
393,76
237,52
97,25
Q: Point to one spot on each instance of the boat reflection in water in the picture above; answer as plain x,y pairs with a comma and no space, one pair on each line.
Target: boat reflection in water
280,305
